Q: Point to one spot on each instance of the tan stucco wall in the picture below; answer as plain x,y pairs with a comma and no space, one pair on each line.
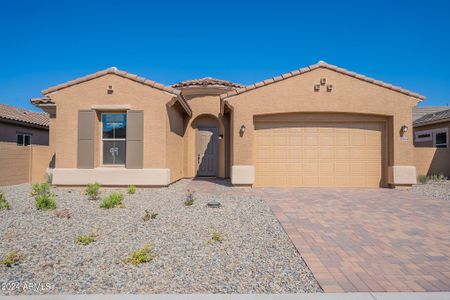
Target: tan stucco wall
8,133
94,92
428,159
175,142
41,160
349,95
19,164
206,112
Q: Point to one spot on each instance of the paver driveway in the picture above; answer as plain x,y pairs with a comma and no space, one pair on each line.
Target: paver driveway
367,239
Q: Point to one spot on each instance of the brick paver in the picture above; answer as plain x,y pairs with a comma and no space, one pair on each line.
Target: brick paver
367,239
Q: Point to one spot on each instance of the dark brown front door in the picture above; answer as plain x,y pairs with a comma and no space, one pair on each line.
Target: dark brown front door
206,151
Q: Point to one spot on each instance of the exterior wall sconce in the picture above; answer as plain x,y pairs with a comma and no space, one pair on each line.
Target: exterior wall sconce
323,81
242,130
220,136
110,89
329,88
316,87
403,129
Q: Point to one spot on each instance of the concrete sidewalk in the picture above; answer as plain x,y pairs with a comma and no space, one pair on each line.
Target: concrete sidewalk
316,296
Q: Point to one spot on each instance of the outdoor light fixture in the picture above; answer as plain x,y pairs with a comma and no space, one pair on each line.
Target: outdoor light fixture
242,129
220,136
404,129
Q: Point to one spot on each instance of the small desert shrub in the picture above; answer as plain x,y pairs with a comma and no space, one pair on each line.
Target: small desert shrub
48,178
422,179
92,190
63,214
190,198
10,259
148,215
112,200
142,255
217,237
45,201
3,202
131,189
437,177
86,239
40,188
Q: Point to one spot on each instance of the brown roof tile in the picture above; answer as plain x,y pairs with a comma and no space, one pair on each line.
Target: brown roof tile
115,71
207,81
434,117
322,64
23,115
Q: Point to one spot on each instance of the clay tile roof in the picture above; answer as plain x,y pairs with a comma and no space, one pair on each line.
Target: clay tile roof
112,70
43,100
419,112
322,64
207,82
23,115
432,118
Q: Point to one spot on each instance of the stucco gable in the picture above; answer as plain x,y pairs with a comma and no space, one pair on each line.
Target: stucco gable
47,99
320,64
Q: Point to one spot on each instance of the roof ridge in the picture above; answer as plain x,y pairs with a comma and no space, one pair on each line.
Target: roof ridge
116,71
198,81
320,64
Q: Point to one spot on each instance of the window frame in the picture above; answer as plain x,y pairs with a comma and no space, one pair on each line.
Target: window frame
23,138
440,130
102,139
432,136
424,139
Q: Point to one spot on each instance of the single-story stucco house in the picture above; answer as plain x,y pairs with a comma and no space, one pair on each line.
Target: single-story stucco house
22,126
431,129
317,126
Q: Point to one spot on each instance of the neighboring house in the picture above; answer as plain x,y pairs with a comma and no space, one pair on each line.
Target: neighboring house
317,126
431,139
23,127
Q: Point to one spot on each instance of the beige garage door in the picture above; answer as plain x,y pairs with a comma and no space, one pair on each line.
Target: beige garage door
321,154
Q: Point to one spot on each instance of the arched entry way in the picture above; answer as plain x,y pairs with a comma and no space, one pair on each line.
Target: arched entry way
207,130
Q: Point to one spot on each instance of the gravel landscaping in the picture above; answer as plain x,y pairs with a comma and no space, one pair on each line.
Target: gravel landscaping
437,189
255,256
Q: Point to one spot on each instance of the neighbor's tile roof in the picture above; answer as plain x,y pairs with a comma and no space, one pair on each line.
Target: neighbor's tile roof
115,71
207,82
419,112
320,64
436,117
23,115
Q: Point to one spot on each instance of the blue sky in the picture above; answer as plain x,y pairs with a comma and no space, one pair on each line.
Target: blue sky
44,43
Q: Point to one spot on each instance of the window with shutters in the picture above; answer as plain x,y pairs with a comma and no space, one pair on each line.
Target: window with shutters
114,128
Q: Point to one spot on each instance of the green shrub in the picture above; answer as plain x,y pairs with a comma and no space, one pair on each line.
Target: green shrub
142,255
437,177
86,239
190,198
422,179
92,189
216,237
12,258
45,201
3,202
112,200
40,188
131,189
149,216
48,178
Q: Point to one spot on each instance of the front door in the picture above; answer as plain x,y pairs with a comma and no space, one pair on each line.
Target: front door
206,151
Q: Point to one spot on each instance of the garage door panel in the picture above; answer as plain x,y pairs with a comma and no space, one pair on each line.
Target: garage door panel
328,154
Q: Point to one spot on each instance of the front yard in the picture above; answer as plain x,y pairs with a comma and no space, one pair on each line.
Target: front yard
435,188
238,248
